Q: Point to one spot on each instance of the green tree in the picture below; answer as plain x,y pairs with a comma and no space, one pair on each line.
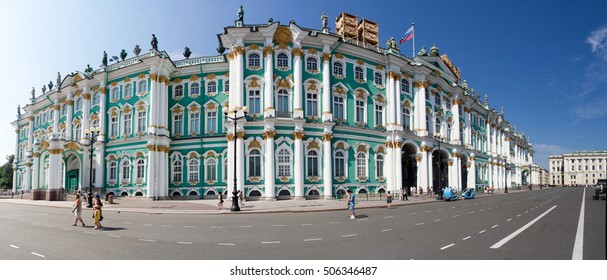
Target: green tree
6,173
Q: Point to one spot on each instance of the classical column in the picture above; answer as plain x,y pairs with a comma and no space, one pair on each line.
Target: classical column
55,172
297,80
152,174
30,133
451,170
14,178
391,96
389,164
468,129
86,112
270,178
103,115
36,169
456,129
327,166
419,91
28,174
425,170
326,88
298,165
230,157
471,165
399,112
268,51
236,86
398,166
240,158
56,114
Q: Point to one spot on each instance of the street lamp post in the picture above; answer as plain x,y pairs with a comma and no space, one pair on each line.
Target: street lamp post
92,135
506,176
438,139
235,207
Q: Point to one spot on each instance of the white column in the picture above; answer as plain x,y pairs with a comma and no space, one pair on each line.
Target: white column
424,170
240,172
392,102
269,166
152,176
456,129
102,116
30,133
298,164
230,156
36,170
269,83
86,113
14,178
389,164
297,80
327,166
472,173
326,88
420,106
398,166
239,77
28,175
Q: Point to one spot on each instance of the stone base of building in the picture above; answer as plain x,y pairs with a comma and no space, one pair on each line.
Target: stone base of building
269,198
54,195
38,194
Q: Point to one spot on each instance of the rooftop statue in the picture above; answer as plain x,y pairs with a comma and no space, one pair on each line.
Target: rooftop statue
43,89
88,70
137,50
187,53
58,81
50,85
391,44
104,59
434,51
270,20
465,85
123,54
19,110
240,14
220,49
154,42
324,19
486,99
422,52
34,93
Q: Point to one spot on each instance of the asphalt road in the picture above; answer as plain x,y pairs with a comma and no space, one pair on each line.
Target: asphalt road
539,224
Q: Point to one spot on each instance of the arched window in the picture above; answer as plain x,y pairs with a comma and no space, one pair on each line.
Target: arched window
437,125
95,98
226,86
311,104
128,91
195,89
312,164
437,101
178,91
361,165
282,103
142,121
177,124
254,101
360,111
140,170
77,132
282,60
177,170
254,61
195,122
113,171
405,87
359,74
143,86
114,126
78,104
194,170
379,115
338,69
448,131
254,163
379,79
125,168
312,64
407,119
212,87
340,164
225,170
115,93
211,121
338,107
284,163
211,169
379,168
127,124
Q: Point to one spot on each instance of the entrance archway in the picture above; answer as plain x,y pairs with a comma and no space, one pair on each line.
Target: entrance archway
409,167
440,170
72,173
464,173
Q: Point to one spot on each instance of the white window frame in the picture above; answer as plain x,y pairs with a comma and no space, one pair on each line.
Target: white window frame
315,160
334,69
278,61
379,122
193,175
251,61
142,123
336,171
177,159
254,108
126,95
281,92
115,94
96,99
251,165
125,176
312,103
210,119
380,83
211,87
308,64
363,74
177,120
142,87
380,158
114,126
362,166
211,175
140,172
112,173
281,164
191,92
127,124
177,96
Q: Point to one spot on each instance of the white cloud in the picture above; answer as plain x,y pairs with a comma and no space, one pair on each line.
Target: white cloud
591,110
591,101
598,41
543,151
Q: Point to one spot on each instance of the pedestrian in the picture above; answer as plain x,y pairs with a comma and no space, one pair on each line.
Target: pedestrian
77,210
351,203
406,193
97,214
220,203
429,191
241,198
389,199
421,192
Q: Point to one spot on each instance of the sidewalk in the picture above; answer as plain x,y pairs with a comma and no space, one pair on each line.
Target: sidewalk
143,205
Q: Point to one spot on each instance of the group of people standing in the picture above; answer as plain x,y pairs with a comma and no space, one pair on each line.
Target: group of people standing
220,200
97,214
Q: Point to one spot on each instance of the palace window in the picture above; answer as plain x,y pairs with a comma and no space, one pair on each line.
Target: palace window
437,99
77,132
311,104
63,110
113,171
338,69
284,163
254,102
194,167
178,124
96,98
312,64
212,87
128,91
125,167
114,126
361,165
195,122
115,94
282,61
195,89
211,170
211,121
140,170
448,131
143,86
226,86
379,169
437,125
360,111
379,79
282,104
177,170
127,124
407,119
379,115
312,164
254,163
340,164
359,74
338,107
79,104
142,117
254,61
178,92
405,86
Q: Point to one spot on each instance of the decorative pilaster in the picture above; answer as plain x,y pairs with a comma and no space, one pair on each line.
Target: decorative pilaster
419,91
471,165
269,165
297,80
269,83
298,166
327,171
424,172
326,88
456,129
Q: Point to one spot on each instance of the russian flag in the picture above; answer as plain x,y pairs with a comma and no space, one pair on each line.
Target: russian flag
408,35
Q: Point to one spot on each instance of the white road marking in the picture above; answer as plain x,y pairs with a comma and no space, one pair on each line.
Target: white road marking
246,226
578,246
467,237
518,215
147,240
270,242
365,219
471,212
494,226
36,254
526,212
428,211
349,235
518,231
112,235
447,246
313,239
148,225
184,243
455,216
127,223
509,220
279,225
13,246
384,230
419,224
166,226
437,220
216,227
482,210
189,226
412,213
303,225
334,222
389,217
226,244
482,231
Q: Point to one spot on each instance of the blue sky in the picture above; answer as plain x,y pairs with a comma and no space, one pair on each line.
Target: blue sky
544,61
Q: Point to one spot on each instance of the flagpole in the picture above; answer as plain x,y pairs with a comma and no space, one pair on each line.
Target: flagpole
413,24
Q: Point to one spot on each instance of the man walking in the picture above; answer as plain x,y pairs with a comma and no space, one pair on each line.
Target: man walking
351,203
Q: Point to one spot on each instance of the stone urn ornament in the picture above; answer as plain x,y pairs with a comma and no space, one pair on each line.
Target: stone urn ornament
123,54
137,50
187,53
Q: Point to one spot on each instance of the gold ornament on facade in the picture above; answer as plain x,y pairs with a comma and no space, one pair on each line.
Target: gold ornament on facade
425,148
253,47
297,52
361,148
210,77
193,78
340,145
389,145
312,86
153,76
298,135
127,110
254,83
30,118
450,163
95,88
113,84
312,51
164,79
36,155
339,55
313,145
421,84
407,76
57,107
326,57
269,134
284,179
326,137
127,79
102,90
71,145
436,73
230,56
176,81
239,50
268,50
56,151
85,96
379,67
240,134
284,83
283,35
254,179
254,145
177,110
